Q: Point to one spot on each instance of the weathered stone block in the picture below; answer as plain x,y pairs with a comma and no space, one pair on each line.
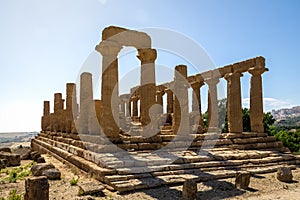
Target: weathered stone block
91,188
38,169
242,180
13,159
189,190
284,174
52,174
37,188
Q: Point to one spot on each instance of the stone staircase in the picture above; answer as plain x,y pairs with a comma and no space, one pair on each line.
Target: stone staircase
162,159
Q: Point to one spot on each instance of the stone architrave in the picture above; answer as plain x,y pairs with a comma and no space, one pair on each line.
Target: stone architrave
159,100
169,101
147,57
110,87
86,102
213,115
256,99
234,102
181,107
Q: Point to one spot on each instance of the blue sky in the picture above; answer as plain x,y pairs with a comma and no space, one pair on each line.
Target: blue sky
45,43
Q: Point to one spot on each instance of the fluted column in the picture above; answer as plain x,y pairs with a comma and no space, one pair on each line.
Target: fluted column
58,112
134,106
181,110
109,87
147,88
234,102
256,100
169,101
71,106
196,100
86,101
213,115
159,100
46,116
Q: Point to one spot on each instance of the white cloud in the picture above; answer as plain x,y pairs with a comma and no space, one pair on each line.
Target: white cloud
271,103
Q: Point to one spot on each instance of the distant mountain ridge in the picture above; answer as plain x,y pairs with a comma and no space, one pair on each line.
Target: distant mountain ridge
16,137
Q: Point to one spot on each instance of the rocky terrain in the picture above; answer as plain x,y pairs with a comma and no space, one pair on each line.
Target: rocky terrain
264,186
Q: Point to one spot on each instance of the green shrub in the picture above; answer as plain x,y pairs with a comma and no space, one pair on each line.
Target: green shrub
12,176
14,196
74,181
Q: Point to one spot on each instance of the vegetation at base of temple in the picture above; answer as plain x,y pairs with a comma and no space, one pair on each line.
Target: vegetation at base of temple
288,131
13,195
16,173
74,181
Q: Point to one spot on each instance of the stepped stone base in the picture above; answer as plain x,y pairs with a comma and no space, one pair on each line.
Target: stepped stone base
139,163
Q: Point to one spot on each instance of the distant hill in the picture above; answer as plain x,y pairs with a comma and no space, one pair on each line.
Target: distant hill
286,113
16,137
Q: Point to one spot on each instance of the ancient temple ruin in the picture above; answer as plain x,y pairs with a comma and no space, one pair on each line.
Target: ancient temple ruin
129,145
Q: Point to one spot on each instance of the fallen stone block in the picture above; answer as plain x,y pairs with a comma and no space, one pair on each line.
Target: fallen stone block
41,160
38,169
189,190
5,149
91,188
242,180
35,155
3,163
36,188
284,174
13,159
23,151
52,174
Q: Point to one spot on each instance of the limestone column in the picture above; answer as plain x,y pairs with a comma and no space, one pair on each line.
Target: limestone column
256,100
110,87
134,106
213,115
122,107
169,100
58,111
234,103
148,86
181,111
196,100
86,101
46,116
129,108
159,100
71,105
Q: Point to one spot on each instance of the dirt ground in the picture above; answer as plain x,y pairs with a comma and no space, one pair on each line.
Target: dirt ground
261,187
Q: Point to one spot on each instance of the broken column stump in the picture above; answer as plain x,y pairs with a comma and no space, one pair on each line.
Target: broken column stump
284,174
242,180
36,188
189,190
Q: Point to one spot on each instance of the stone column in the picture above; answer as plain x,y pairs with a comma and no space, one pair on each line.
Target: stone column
110,87
196,100
122,107
256,100
71,106
169,101
213,115
134,106
159,100
181,110
58,111
147,88
46,116
94,115
129,108
234,102
86,101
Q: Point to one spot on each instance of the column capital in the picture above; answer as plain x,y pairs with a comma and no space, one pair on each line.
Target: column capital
168,91
257,71
196,85
108,48
160,93
212,81
147,55
229,76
